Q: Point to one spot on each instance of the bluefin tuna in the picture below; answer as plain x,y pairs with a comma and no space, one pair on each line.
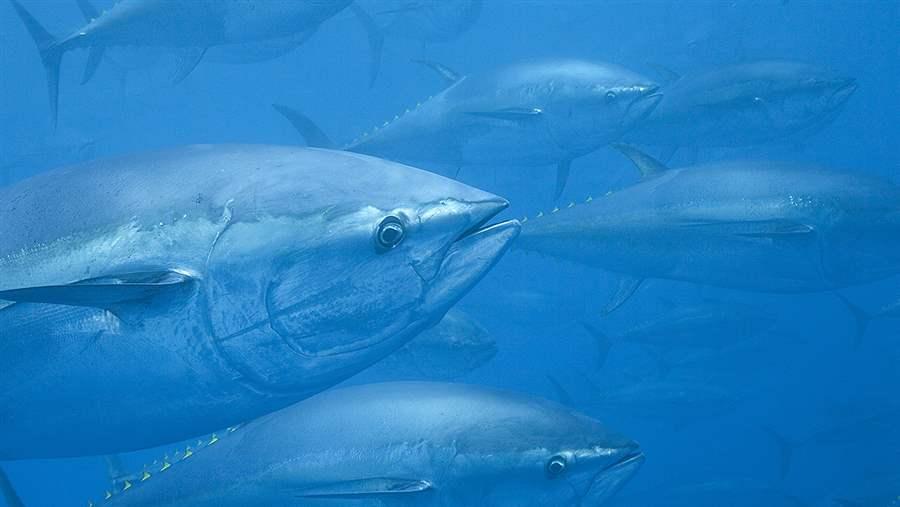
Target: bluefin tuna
757,226
192,27
533,114
423,444
154,297
744,105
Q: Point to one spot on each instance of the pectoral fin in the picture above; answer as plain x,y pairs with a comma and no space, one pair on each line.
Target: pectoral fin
510,114
771,229
187,63
106,292
373,486
627,287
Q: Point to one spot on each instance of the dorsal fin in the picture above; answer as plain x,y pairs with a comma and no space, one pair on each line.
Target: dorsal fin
307,128
647,165
449,75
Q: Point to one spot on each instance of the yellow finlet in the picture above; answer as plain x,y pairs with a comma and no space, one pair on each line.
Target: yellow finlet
127,486
213,440
166,466
145,476
188,453
107,496
589,199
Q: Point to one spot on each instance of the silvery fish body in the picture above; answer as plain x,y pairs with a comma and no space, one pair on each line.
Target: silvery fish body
159,296
745,104
258,30
401,444
456,346
531,114
761,226
201,23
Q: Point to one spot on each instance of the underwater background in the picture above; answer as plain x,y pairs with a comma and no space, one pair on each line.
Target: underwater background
798,405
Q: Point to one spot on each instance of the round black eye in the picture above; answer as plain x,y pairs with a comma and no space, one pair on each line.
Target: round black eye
389,233
610,95
556,466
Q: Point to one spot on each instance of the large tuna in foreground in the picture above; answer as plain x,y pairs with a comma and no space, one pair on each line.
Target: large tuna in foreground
760,226
160,296
399,444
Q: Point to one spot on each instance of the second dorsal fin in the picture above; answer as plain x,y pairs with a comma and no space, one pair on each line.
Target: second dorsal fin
647,165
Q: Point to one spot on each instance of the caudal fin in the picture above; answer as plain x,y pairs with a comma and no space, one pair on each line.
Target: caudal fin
51,55
8,492
310,132
95,56
376,41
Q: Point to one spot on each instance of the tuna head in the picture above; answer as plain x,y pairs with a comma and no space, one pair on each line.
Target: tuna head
588,105
541,453
795,96
339,270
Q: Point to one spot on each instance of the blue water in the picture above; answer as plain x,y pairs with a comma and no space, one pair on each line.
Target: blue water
802,380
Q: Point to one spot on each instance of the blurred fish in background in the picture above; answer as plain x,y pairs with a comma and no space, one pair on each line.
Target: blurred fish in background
699,200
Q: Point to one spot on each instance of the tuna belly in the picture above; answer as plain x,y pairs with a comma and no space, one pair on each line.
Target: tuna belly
82,381
742,261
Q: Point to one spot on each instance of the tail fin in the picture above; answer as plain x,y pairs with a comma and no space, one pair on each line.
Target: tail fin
310,132
785,451
95,56
376,41
8,492
604,344
51,55
861,318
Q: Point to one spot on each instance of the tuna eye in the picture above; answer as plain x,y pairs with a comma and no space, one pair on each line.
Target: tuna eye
556,466
390,233
610,96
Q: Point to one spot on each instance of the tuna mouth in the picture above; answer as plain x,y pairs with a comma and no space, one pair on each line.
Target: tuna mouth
611,479
641,107
474,252
484,212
